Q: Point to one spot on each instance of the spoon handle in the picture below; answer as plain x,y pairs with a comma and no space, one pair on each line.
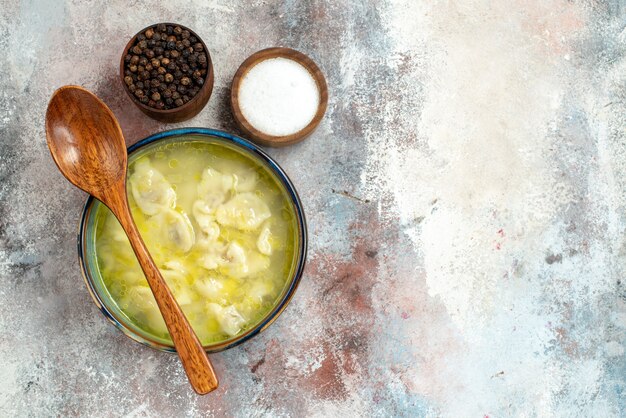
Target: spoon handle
195,360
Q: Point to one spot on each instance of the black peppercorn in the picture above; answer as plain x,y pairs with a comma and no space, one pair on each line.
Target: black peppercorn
166,66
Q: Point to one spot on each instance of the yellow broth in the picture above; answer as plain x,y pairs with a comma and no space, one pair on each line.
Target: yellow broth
221,230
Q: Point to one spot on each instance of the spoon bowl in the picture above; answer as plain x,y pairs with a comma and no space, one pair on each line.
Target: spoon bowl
92,163
88,146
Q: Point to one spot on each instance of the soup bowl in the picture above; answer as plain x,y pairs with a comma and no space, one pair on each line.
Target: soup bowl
87,247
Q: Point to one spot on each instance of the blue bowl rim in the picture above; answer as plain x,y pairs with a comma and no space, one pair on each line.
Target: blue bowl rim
301,261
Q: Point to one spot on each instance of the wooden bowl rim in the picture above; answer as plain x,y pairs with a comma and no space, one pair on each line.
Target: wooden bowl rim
300,58
193,99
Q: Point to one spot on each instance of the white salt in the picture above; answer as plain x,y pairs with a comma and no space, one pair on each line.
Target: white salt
278,96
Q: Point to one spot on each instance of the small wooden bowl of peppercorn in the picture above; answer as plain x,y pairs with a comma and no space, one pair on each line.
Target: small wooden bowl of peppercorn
167,72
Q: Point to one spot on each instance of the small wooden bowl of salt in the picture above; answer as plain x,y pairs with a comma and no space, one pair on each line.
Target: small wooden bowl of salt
278,96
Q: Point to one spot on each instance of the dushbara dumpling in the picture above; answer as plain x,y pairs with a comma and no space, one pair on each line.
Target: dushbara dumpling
245,211
151,191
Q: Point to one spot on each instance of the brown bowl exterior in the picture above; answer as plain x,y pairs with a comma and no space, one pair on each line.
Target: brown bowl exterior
261,137
189,109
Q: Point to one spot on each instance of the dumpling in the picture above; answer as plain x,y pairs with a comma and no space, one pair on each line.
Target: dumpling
260,290
175,277
206,220
245,211
151,191
240,263
229,318
140,302
117,232
244,180
176,229
263,242
213,254
213,188
209,287
257,262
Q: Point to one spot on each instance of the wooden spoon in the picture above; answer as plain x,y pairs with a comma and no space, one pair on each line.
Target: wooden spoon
87,145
